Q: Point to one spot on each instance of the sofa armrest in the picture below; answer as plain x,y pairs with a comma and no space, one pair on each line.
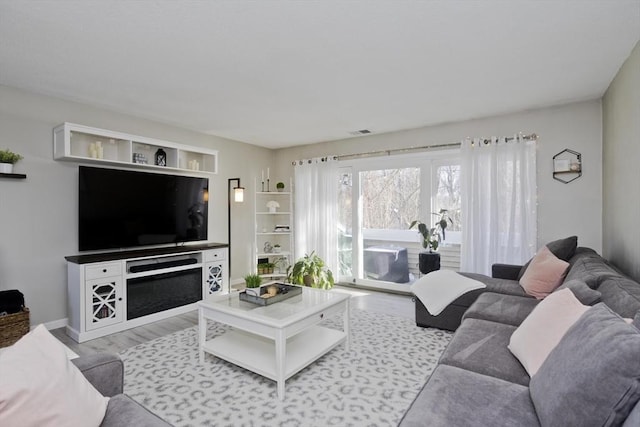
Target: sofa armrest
105,371
505,271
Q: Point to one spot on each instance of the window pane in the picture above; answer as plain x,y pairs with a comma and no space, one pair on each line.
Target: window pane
390,198
447,196
345,221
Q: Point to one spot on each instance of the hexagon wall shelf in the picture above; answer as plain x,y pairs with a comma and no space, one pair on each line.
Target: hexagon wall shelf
567,166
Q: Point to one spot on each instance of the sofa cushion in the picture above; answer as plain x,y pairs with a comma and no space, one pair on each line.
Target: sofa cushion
456,397
539,333
123,410
481,346
592,269
501,286
40,386
564,249
584,293
544,275
621,294
507,309
592,377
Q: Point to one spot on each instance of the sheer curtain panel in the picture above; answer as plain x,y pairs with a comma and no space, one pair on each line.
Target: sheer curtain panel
316,206
498,202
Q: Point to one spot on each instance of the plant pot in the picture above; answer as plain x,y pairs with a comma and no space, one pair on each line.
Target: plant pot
256,292
272,210
280,190
428,261
276,249
6,167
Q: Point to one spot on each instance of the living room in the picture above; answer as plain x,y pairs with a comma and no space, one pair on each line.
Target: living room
40,213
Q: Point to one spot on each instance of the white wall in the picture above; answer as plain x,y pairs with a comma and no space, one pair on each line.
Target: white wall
621,177
39,215
563,209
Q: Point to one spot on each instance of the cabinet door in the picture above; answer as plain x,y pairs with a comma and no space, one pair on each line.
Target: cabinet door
215,278
104,304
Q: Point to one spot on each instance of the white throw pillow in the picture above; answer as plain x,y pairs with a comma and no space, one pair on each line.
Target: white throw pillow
543,329
39,386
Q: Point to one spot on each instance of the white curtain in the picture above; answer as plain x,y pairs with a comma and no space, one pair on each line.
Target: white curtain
498,186
316,206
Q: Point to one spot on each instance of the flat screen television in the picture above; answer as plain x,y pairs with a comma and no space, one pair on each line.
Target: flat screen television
129,209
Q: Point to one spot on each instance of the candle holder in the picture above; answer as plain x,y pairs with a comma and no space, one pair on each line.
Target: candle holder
268,185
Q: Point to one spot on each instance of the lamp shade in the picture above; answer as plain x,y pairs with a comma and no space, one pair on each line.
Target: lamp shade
238,194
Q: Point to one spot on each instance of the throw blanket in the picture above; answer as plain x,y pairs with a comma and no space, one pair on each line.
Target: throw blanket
440,288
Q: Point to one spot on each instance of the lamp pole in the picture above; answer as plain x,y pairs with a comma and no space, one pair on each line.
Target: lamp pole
238,196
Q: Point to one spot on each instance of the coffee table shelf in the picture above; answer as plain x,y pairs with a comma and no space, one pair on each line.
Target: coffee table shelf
277,340
258,354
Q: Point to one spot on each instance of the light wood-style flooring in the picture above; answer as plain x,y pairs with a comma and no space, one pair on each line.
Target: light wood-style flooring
379,302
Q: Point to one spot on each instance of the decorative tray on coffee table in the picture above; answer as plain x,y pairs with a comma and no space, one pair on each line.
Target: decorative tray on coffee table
283,291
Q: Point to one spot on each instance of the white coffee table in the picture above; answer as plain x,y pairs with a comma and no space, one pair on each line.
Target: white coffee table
278,340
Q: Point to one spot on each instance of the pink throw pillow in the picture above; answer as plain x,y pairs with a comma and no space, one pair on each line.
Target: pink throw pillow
545,273
39,386
543,329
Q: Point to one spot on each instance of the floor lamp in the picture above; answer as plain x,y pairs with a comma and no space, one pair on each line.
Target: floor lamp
238,197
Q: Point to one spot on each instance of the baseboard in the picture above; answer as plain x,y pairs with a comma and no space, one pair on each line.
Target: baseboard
54,324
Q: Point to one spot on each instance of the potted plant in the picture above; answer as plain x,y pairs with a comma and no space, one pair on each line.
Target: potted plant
281,264
253,282
310,271
431,237
280,186
277,248
7,159
262,268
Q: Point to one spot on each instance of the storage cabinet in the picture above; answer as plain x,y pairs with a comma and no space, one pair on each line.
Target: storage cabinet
273,243
111,292
80,143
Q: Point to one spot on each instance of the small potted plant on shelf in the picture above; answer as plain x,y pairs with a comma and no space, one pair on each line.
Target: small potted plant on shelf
280,186
262,268
270,267
7,159
310,271
277,248
253,282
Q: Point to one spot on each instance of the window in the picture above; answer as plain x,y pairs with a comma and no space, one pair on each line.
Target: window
378,200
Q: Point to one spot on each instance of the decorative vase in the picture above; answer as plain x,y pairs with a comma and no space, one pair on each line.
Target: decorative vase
161,157
428,262
6,167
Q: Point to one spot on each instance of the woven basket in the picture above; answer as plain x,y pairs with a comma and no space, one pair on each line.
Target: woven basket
13,327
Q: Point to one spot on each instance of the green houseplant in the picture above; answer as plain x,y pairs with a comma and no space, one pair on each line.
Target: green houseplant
7,159
253,282
310,271
429,261
280,186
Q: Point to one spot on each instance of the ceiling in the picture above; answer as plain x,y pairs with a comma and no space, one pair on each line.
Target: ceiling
284,73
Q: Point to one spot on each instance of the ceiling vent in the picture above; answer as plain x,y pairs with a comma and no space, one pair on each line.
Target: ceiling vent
360,132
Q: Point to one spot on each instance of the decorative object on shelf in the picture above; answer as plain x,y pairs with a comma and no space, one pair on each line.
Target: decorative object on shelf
273,206
238,197
193,165
281,228
281,264
267,248
276,248
161,157
567,166
253,282
266,268
280,186
310,271
96,150
267,180
7,159
140,159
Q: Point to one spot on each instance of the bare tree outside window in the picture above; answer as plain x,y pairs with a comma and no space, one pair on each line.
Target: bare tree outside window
390,198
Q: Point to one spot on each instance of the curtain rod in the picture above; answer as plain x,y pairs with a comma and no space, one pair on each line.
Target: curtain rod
531,137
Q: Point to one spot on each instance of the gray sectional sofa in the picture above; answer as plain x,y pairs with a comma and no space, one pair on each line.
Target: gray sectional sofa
478,381
105,371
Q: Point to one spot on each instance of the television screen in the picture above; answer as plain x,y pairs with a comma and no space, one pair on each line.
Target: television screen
127,209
